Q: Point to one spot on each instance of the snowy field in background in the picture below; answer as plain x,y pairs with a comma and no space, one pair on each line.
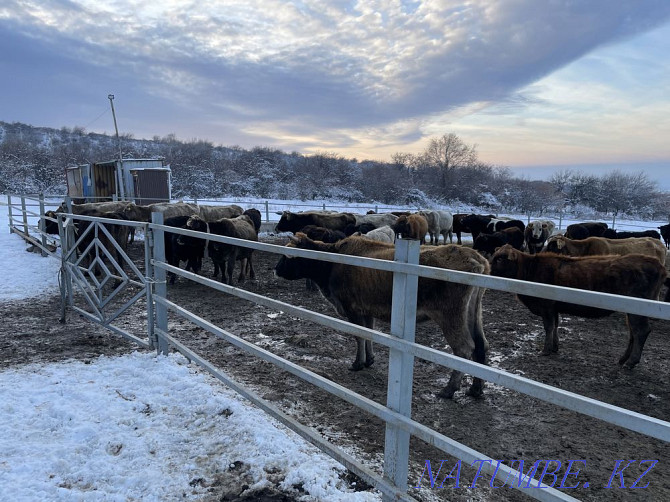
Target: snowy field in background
136,427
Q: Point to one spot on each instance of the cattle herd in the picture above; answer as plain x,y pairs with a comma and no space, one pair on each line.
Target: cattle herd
587,256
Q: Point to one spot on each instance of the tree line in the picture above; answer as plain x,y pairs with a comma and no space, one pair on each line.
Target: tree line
448,173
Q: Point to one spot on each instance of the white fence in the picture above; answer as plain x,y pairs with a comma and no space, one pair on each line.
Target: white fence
402,352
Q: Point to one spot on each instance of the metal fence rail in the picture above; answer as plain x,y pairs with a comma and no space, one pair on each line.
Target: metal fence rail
402,348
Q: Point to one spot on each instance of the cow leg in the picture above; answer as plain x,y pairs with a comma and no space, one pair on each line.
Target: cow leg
481,344
458,238
250,268
550,321
639,329
243,267
364,355
461,342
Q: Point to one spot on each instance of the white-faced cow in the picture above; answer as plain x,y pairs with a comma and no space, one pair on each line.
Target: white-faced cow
631,275
362,295
536,234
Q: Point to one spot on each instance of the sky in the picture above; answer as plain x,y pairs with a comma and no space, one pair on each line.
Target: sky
555,84
134,427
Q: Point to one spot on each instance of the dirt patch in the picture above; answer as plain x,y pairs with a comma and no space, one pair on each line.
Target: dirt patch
503,424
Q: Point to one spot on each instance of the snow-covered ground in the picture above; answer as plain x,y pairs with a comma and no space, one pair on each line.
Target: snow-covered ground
135,427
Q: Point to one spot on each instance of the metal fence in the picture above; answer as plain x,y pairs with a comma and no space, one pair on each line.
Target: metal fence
400,342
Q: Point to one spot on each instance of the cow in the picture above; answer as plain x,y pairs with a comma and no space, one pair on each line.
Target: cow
213,213
224,255
498,224
362,295
600,246
89,209
476,224
446,225
255,216
536,234
378,220
486,244
294,222
610,233
381,234
169,209
586,229
459,227
634,275
433,221
665,233
323,234
413,226
185,248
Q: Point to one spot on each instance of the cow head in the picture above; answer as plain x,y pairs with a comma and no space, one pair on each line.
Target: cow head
505,262
556,244
295,267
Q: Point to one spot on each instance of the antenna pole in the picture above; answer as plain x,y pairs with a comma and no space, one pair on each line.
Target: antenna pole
118,140
121,190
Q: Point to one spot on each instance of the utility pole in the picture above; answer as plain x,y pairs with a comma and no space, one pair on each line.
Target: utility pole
120,190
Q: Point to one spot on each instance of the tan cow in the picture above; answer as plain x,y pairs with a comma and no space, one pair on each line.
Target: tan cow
600,246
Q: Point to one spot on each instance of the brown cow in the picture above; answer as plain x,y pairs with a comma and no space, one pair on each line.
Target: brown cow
224,255
630,275
413,226
601,246
213,213
362,294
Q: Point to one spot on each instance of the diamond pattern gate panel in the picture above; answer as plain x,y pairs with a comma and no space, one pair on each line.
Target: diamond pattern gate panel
101,281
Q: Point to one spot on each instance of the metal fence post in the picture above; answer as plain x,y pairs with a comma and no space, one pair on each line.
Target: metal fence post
9,213
25,215
160,282
42,226
401,365
267,211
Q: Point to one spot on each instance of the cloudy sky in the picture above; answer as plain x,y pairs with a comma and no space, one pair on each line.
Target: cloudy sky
531,83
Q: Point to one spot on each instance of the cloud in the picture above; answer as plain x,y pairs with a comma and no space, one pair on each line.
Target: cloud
260,66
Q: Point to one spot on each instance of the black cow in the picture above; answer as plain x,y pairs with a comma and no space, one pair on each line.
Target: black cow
185,248
665,233
294,222
475,224
488,243
610,233
586,229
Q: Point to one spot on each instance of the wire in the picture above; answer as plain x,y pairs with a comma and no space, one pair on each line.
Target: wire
95,119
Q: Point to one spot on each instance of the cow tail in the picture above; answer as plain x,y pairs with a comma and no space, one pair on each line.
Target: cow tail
667,292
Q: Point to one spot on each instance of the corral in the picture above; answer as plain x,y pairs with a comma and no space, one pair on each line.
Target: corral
504,424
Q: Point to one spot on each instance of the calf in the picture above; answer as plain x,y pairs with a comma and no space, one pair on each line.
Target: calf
631,275
413,226
362,295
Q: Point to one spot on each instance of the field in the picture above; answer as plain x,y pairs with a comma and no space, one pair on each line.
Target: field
503,424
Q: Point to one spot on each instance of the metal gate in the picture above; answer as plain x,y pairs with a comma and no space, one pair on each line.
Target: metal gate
98,278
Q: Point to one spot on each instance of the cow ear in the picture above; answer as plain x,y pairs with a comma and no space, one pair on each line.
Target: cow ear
560,243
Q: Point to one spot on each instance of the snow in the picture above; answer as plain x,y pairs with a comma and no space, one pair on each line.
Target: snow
136,427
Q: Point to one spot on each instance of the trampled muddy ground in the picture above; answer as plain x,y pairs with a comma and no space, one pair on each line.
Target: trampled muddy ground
503,424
